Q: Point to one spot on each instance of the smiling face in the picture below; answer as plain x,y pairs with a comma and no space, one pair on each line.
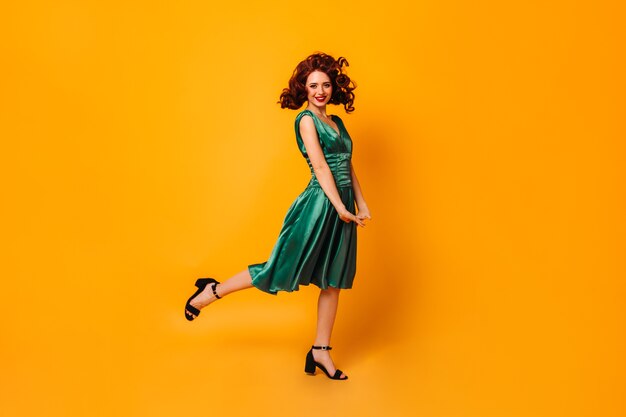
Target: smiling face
318,88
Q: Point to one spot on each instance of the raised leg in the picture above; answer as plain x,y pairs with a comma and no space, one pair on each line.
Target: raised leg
326,311
239,281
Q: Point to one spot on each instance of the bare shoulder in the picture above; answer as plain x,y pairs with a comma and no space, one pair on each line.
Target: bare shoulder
306,122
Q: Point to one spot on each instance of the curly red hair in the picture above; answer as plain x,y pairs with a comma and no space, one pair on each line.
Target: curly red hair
294,96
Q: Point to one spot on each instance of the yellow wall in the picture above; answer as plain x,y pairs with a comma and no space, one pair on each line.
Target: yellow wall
142,148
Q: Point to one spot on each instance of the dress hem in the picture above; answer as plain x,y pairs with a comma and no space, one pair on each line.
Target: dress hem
275,292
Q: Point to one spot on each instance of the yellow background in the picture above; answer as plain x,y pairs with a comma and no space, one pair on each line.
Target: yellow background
142,148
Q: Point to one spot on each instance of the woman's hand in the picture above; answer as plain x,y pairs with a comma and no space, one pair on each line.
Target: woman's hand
364,212
348,217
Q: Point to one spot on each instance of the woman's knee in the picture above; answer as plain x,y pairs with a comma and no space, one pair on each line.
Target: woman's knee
331,291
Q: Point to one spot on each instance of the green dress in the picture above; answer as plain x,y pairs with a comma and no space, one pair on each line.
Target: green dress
314,245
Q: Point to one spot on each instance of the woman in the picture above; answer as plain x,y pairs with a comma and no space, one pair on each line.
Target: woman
317,242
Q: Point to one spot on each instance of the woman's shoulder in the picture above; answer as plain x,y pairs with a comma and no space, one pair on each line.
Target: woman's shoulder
299,116
338,119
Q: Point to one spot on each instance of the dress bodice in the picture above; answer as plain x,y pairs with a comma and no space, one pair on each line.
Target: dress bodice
337,148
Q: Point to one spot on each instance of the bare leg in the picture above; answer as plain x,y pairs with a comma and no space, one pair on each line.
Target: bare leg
239,281
326,312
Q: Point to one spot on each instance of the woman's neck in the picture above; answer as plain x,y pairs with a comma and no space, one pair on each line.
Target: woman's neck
318,111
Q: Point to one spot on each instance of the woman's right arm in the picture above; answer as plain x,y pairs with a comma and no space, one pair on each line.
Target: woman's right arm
321,169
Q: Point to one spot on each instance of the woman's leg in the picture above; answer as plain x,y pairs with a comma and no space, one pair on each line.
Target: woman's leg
326,312
239,281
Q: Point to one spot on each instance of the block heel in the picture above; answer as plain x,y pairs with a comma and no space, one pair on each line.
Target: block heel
309,365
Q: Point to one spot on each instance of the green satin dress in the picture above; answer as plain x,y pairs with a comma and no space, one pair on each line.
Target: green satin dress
314,245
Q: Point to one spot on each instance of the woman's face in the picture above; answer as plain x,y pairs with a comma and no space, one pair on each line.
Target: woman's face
319,88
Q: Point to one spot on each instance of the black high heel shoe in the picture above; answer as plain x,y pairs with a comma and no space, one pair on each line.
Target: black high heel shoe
201,283
311,364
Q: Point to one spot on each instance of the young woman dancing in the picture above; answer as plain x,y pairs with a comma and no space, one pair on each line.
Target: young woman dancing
317,241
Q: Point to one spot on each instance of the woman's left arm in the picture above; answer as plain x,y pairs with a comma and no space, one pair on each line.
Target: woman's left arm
364,211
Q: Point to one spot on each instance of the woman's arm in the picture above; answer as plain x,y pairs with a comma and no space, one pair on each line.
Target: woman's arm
358,195
321,169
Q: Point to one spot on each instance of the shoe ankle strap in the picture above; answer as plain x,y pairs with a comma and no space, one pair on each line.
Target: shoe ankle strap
322,347
215,292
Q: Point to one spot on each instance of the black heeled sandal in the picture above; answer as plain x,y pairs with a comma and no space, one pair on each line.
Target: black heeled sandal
201,283
311,364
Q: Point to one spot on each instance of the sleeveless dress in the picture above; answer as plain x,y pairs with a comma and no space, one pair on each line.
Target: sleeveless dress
314,245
